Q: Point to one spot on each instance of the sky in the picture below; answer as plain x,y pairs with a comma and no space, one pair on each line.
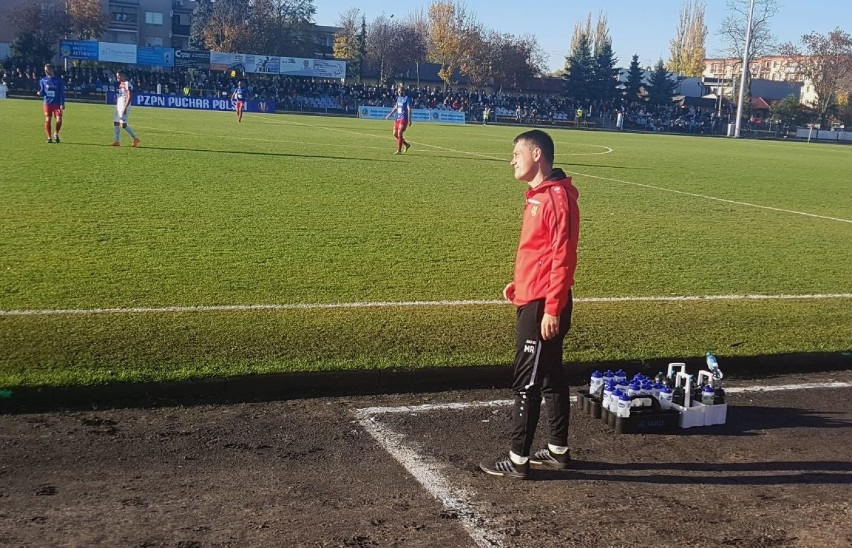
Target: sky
643,27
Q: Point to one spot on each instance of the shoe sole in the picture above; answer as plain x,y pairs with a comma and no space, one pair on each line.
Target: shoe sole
502,474
548,464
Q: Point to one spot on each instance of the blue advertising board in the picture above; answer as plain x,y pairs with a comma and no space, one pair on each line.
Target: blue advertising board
79,49
155,56
198,103
417,115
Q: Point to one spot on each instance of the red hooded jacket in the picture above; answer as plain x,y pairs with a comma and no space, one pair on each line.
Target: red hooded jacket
547,252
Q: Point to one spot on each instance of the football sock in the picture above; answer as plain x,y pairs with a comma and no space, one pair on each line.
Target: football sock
117,132
517,459
58,126
47,128
130,131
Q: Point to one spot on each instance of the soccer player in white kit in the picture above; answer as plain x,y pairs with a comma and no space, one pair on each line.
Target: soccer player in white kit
124,95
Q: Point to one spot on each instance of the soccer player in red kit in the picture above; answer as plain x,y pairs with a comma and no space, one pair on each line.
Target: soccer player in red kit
403,120
52,88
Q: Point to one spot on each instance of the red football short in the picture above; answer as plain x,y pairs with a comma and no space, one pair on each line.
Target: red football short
53,110
239,105
400,125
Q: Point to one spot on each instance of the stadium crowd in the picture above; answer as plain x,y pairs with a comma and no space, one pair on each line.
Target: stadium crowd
306,94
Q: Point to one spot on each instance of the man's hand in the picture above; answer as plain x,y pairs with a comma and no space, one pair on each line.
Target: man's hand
509,292
549,326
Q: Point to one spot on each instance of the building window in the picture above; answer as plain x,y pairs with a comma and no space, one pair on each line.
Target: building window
153,18
155,41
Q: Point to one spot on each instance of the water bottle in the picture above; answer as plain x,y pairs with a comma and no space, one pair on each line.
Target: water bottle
635,389
607,393
613,401
622,385
608,376
620,376
708,395
713,366
678,396
655,390
624,406
595,383
718,395
665,397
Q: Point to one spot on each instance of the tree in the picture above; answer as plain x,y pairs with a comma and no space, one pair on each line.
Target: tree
660,86
39,27
200,17
85,19
789,112
687,47
734,28
391,46
579,66
634,84
346,41
281,27
450,26
604,74
227,28
825,60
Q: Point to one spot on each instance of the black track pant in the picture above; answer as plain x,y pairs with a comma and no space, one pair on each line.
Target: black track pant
539,372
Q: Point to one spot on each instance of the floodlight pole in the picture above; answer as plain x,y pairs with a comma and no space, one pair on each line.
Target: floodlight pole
743,75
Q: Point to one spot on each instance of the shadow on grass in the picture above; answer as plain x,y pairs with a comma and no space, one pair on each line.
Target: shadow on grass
281,386
237,152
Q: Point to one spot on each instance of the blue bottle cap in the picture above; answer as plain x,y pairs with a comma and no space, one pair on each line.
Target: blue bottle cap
666,390
596,375
708,389
624,397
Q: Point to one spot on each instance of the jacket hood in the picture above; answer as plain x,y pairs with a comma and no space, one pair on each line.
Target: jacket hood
556,177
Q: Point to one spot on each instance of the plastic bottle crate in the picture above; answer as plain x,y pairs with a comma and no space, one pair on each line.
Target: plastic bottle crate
588,404
648,420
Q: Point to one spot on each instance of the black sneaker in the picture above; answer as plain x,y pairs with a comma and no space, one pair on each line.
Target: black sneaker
546,457
56,137
49,140
503,466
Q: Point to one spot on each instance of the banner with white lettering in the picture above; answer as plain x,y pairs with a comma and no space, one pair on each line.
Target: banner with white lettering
198,103
417,115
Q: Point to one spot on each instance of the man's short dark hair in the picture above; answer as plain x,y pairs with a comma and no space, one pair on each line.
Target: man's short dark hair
540,139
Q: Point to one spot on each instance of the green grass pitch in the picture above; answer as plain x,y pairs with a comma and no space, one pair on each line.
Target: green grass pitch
306,210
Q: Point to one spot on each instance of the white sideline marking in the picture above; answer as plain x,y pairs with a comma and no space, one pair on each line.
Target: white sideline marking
390,304
725,200
428,472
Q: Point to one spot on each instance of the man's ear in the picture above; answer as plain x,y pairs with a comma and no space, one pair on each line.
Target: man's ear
536,154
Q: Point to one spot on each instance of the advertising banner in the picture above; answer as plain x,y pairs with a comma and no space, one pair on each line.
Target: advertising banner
417,115
262,64
329,69
226,62
198,103
197,59
79,49
155,56
117,53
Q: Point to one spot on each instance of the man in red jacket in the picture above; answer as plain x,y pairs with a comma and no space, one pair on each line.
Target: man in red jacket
541,291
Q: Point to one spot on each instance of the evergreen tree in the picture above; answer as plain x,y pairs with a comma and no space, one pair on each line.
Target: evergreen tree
606,75
634,83
580,69
660,86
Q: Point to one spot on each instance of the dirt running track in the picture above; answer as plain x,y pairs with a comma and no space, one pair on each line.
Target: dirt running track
311,473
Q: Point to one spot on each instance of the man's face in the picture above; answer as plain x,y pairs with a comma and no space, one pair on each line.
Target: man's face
524,158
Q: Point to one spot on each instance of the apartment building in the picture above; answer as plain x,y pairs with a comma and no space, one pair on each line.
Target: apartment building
774,68
162,23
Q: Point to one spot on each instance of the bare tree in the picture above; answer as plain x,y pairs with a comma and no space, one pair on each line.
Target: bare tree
347,40
733,28
687,47
38,27
825,60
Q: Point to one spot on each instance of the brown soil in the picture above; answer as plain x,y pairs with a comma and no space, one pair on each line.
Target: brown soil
307,473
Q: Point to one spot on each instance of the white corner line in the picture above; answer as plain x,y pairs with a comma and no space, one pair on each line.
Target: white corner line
428,472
